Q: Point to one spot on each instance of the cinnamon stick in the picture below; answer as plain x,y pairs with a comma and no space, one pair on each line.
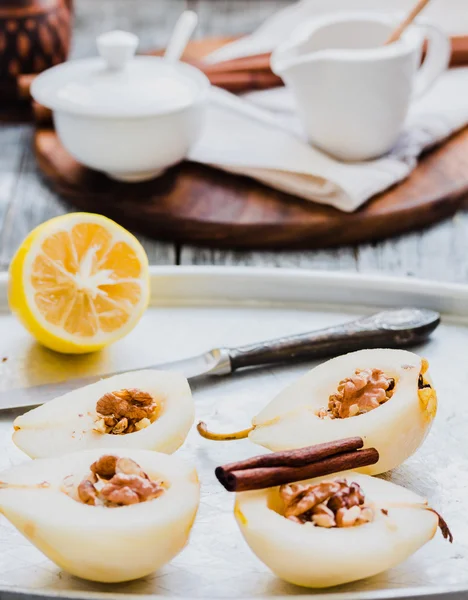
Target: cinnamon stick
459,51
297,458
245,81
286,467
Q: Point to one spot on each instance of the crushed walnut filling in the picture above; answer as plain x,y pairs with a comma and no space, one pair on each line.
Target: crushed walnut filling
115,482
365,390
125,411
331,503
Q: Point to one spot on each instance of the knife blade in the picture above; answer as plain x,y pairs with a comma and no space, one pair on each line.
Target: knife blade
392,329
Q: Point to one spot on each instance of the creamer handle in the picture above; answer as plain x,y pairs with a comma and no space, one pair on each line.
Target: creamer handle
436,61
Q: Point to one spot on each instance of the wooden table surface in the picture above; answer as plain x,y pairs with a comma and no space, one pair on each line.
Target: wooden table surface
440,252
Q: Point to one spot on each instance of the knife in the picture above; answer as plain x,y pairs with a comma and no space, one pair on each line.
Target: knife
390,329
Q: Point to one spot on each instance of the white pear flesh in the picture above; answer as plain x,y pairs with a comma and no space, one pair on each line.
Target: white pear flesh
97,542
66,424
316,557
396,428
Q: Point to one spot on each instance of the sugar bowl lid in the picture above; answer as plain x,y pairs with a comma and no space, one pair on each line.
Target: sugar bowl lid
118,83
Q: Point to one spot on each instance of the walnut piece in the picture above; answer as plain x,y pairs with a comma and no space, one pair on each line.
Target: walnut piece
105,466
130,489
365,390
347,517
301,498
330,503
87,492
129,467
117,482
125,411
323,517
121,426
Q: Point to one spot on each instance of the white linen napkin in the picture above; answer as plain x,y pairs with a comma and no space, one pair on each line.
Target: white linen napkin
260,136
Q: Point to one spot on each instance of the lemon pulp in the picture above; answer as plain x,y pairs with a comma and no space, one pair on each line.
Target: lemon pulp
79,282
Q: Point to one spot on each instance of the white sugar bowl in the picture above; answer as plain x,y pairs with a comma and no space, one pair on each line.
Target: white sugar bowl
129,116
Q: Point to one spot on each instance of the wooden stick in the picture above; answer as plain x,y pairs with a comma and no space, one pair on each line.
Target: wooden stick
407,21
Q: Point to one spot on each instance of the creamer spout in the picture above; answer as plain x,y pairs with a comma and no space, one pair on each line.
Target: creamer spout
290,61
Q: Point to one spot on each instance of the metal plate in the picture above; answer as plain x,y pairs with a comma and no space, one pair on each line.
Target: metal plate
197,308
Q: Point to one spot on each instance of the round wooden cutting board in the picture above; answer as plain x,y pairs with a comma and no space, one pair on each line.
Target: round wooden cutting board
200,205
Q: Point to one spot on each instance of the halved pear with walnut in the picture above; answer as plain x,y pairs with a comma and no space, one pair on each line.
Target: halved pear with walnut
324,532
105,518
383,396
151,410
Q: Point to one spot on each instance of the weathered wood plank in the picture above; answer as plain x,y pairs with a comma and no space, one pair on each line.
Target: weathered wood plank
151,20
31,203
440,252
339,259
233,17
12,140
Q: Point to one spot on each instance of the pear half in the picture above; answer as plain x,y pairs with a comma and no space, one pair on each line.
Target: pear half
317,557
67,423
97,542
396,428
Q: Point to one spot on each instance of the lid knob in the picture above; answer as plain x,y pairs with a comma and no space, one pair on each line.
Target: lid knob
117,48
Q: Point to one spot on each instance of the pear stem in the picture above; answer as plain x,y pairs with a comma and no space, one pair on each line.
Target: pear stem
222,437
444,528
26,486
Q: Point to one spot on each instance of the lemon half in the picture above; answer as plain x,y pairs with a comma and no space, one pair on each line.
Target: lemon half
79,282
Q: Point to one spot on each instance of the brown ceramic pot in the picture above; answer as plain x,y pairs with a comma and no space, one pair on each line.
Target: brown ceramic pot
34,35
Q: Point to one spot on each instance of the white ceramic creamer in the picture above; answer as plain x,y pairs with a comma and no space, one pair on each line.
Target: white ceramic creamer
352,91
